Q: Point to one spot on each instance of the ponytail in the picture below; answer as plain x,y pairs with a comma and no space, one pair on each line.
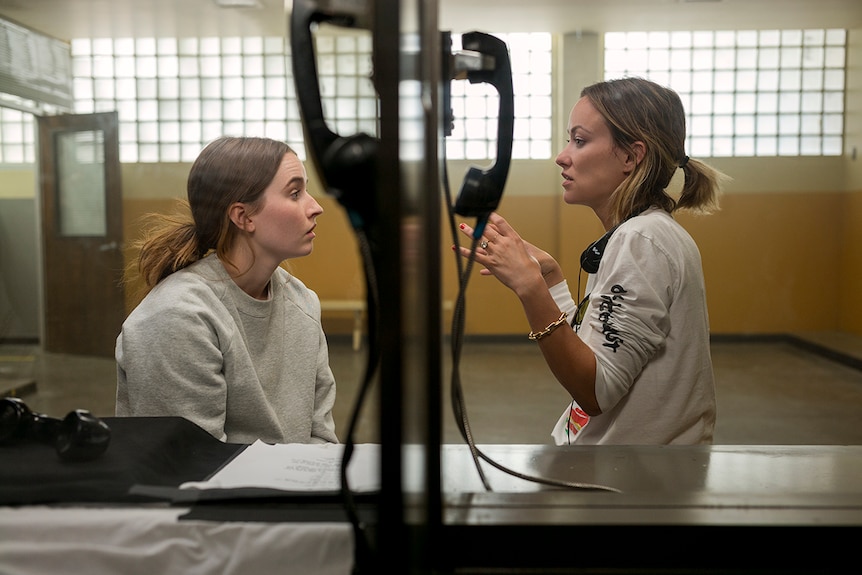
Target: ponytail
701,188
169,244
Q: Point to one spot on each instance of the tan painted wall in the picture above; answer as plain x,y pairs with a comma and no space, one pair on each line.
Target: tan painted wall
781,256
774,261
846,296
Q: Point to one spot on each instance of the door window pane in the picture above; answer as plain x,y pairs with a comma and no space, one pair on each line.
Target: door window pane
81,183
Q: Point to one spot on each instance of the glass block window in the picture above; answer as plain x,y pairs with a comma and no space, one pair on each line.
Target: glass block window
350,102
173,95
17,134
746,92
475,106
347,93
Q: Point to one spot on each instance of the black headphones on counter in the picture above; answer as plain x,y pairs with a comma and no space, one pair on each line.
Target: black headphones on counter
79,436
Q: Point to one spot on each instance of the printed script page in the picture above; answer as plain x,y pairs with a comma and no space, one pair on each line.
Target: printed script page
298,467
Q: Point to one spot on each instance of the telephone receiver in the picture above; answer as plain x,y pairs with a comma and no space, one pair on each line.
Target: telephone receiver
78,437
482,188
347,164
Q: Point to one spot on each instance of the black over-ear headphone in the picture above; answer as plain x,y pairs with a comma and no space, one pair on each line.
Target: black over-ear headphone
78,437
592,256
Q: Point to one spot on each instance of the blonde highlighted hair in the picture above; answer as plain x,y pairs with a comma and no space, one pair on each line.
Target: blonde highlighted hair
639,110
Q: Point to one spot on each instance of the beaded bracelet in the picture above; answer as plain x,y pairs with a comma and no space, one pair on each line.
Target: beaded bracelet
537,335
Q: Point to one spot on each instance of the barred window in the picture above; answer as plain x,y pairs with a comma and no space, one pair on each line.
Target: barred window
746,92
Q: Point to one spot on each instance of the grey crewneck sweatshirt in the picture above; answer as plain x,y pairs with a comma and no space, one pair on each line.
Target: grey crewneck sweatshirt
199,347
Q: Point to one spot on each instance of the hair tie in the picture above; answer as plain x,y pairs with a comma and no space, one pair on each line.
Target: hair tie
683,162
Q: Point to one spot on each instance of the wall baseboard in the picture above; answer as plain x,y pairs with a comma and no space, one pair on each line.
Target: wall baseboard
823,350
829,352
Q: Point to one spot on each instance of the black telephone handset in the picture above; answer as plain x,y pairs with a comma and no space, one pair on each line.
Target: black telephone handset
482,188
80,436
347,164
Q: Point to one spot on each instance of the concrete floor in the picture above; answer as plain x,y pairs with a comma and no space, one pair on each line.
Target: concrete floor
775,391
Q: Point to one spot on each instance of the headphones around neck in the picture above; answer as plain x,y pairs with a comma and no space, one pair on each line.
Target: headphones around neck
80,436
592,256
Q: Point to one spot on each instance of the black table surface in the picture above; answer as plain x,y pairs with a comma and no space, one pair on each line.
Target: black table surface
157,451
729,499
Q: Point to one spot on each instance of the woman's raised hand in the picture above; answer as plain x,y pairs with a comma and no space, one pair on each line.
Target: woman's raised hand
505,255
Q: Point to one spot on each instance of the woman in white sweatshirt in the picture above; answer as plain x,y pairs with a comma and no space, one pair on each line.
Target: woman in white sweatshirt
226,337
634,354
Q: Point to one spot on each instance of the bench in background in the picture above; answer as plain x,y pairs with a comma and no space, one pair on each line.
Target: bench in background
357,308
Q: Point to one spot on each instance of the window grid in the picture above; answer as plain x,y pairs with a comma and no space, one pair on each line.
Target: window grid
173,95
347,93
17,131
746,93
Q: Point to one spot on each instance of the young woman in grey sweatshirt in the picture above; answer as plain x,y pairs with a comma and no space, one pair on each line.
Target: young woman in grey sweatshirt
225,336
